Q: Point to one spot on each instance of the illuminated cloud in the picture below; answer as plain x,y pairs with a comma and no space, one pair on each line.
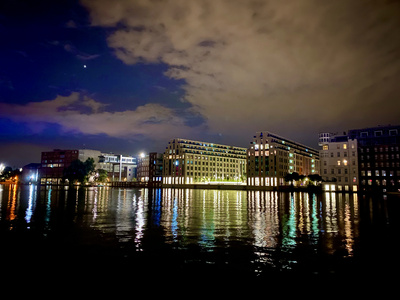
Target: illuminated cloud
285,66
84,115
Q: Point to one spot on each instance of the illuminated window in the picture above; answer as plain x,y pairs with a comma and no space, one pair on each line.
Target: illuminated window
344,146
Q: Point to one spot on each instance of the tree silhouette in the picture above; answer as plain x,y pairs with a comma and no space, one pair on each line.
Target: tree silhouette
79,171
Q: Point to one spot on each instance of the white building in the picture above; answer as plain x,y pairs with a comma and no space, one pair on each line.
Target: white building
339,163
119,167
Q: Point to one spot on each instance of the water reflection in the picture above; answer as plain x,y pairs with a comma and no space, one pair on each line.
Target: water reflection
275,226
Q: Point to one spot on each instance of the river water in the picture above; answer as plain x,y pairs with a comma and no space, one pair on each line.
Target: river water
185,232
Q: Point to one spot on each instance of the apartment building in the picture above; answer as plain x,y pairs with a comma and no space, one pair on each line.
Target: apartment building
378,157
188,162
270,157
339,162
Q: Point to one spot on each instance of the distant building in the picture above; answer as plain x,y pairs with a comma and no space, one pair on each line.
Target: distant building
364,159
119,167
155,169
149,168
378,157
339,162
188,162
270,157
53,163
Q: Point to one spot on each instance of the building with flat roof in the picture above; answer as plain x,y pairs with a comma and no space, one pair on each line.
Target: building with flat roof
53,163
378,157
188,162
149,169
270,157
339,162
119,167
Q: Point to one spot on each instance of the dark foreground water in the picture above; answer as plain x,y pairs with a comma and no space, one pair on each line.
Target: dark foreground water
183,233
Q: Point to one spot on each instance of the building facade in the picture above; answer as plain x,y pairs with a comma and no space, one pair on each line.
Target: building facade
339,162
150,168
378,157
119,167
270,157
155,168
53,163
188,162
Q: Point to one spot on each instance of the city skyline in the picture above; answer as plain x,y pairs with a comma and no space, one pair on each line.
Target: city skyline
128,76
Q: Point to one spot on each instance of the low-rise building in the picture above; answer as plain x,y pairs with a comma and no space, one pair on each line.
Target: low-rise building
53,163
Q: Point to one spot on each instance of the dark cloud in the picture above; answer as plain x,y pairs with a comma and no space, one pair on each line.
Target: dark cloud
286,66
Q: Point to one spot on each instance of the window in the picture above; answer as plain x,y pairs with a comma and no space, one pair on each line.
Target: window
344,146
325,147
378,133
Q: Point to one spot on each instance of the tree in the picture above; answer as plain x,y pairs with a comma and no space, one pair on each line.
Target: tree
79,171
290,177
101,175
315,178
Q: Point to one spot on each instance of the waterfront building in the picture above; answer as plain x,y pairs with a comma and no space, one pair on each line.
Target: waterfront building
378,157
339,162
188,162
270,157
149,168
119,167
54,162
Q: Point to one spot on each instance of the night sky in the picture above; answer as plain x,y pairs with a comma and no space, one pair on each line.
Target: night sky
126,76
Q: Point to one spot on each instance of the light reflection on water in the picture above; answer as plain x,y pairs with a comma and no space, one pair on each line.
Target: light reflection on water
275,225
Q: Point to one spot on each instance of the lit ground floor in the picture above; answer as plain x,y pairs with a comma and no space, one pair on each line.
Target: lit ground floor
335,187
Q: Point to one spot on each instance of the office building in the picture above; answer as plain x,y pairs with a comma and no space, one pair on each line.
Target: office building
119,167
378,157
339,162
188,162
149,168
270,157
53,163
